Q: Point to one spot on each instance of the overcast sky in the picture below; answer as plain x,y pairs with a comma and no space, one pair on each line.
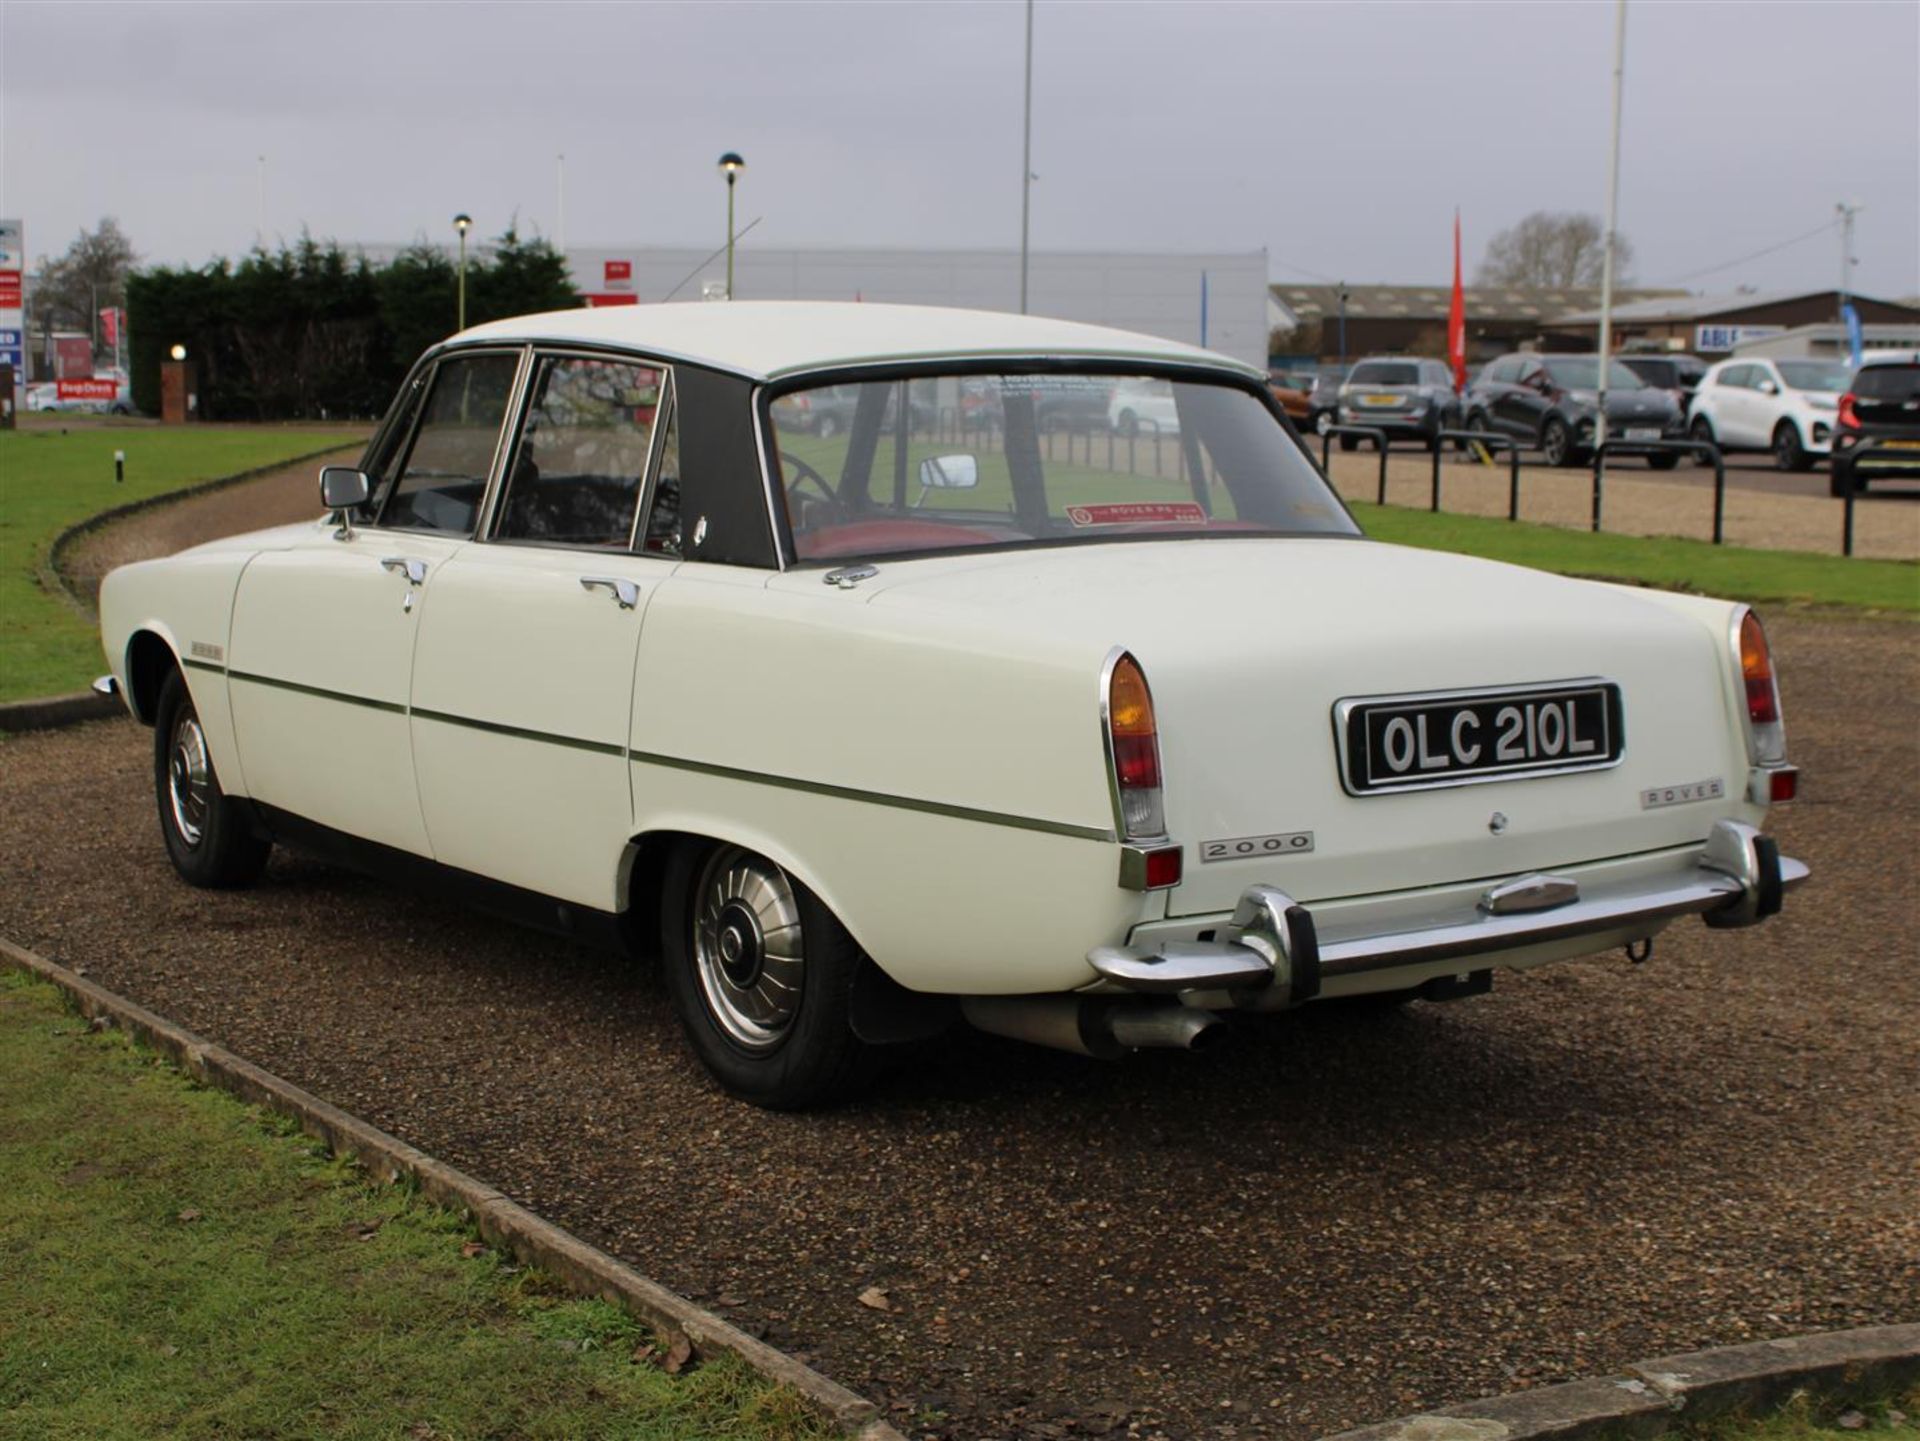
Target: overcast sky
1339,137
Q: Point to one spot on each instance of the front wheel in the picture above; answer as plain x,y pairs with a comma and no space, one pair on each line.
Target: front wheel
761,974
1666,461
1788,453
209,838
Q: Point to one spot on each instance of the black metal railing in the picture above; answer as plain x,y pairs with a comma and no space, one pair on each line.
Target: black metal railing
1492,441
1666,447
1381,442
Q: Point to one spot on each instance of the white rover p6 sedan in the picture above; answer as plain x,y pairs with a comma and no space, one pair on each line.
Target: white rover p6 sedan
1089,736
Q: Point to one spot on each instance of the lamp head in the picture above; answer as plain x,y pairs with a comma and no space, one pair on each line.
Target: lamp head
179,352
731,165
463,223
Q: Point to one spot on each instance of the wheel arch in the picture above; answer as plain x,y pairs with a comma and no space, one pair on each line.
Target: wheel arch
150,657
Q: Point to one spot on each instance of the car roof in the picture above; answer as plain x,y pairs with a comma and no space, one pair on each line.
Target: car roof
768,339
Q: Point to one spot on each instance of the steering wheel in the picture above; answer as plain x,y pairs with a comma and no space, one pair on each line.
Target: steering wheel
805,475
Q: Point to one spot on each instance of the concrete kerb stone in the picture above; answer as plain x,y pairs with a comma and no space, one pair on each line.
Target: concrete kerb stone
59,710
583,1268
1649,1397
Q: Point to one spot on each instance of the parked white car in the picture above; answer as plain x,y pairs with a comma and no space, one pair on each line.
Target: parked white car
868,732
1786,406
1143,407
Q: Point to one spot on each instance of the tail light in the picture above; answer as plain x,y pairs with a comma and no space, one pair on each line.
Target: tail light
1133,742
1849,417
1766,732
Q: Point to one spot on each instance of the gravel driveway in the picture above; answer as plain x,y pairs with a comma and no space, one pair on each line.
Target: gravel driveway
1338,1219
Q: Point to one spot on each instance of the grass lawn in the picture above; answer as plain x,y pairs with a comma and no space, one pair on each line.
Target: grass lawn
50,480
176,1264
1806,1420
1730,571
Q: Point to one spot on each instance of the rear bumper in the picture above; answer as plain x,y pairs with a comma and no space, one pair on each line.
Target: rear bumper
1272,952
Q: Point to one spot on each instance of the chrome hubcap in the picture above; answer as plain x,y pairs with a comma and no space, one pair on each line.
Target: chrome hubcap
189,779
748,948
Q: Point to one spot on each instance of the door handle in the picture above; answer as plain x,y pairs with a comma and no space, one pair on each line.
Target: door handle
416,570
624,592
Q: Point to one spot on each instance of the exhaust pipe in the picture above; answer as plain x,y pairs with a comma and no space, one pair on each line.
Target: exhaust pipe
1091,1026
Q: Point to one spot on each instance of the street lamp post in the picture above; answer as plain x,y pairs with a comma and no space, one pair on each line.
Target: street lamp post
462,223
730,166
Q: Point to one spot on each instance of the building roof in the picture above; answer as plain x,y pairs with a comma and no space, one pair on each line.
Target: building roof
1699,307
766,339
1430,302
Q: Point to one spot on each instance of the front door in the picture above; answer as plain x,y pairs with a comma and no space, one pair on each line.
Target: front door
320,655
523,680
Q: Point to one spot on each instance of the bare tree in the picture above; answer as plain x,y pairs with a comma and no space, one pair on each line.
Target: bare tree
89,278
1552,248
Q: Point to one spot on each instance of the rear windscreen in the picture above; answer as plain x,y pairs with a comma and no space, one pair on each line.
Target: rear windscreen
1382,372
1888,382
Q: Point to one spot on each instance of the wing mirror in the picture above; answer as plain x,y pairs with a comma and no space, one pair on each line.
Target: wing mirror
342,491
1767,387
949,472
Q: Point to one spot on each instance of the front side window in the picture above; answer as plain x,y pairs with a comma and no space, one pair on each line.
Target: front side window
938,462
581,459
444,475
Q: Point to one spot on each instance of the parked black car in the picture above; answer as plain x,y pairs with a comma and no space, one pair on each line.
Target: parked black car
1877,434
1678,375
1402,395
1550,402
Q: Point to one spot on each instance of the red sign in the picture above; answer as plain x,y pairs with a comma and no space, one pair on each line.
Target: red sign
619,270
86,389
594,302
1177,512
11,297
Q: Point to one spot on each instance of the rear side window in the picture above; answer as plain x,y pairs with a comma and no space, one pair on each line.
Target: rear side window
445,471
582,454
1896,383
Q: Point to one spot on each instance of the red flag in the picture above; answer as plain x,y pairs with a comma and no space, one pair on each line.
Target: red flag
110,326
1457,317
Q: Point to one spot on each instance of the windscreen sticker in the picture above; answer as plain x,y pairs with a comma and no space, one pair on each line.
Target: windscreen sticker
1177,512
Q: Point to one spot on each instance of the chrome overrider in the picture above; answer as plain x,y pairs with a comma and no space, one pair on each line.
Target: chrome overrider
1271,940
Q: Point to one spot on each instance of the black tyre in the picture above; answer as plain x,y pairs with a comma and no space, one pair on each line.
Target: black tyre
1662,461
1349,442
210,838
1843,480
1788,453
761,974
1556,442
1702,431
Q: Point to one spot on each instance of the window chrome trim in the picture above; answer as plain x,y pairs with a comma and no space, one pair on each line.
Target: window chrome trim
1344,708
663,416
777,518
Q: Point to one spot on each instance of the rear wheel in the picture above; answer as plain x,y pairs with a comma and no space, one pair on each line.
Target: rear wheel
1556,442
1349,442
761,974
1788,452
209,837
1664,461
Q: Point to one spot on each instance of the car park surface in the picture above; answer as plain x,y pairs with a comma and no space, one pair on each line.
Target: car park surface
545,488
1335,1219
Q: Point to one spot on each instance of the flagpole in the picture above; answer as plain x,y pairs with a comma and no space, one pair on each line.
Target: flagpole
1606,260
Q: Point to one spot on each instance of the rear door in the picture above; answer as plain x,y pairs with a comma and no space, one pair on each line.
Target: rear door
523,679
321,650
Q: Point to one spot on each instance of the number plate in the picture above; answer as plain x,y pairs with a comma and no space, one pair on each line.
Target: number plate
1454,738
1643,433
1379,400
1900,444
